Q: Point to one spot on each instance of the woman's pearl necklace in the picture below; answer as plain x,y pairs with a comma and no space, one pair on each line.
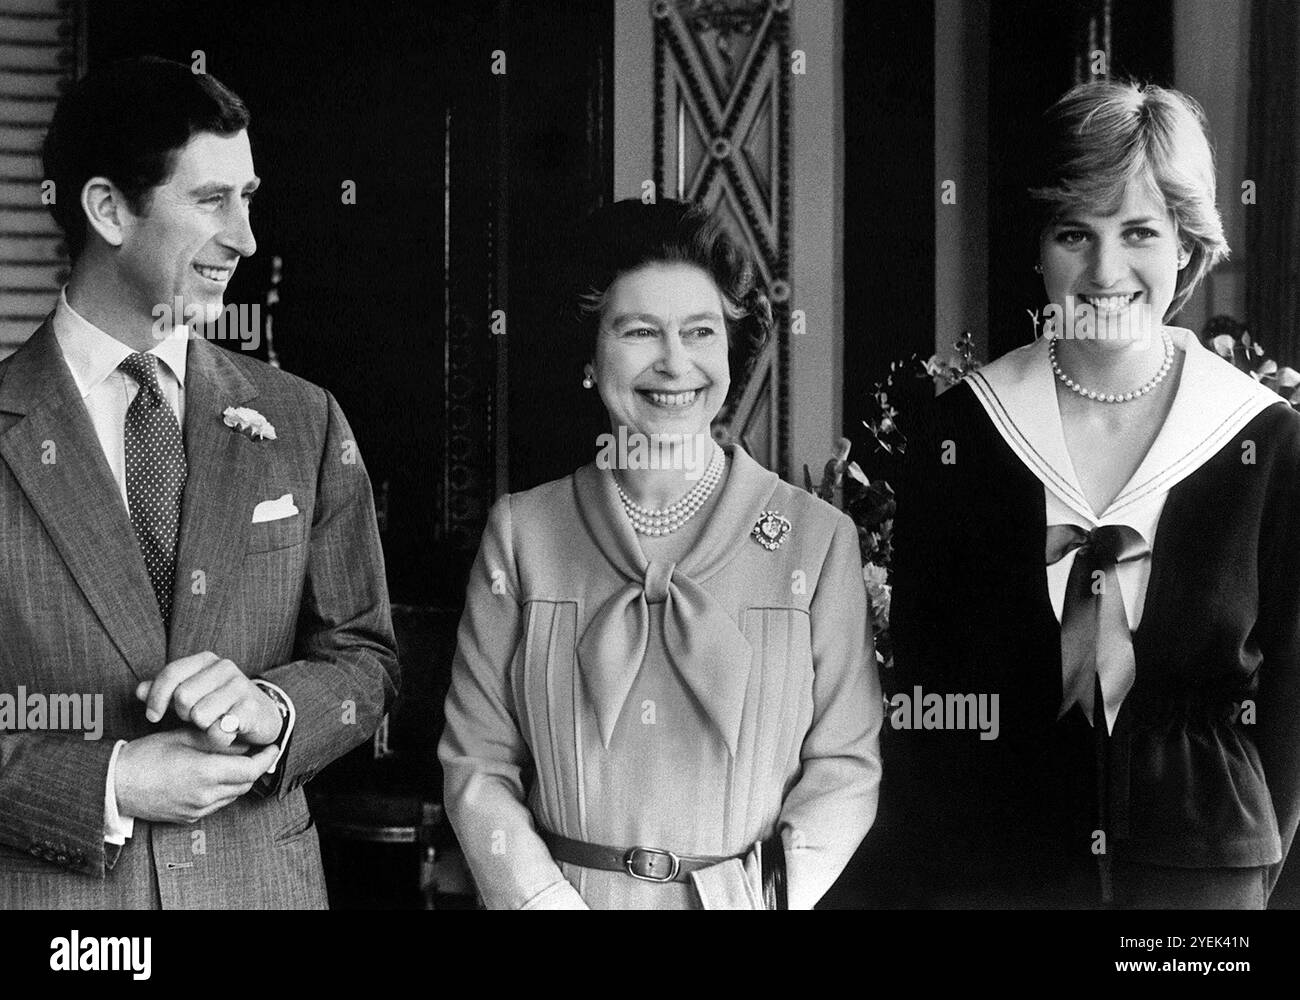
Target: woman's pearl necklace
668,520
1114,397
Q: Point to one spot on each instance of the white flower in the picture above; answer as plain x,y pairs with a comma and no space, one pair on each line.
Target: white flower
880,602
1223,345
878,593
249,421
874,576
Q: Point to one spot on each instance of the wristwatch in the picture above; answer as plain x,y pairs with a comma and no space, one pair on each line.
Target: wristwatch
272,692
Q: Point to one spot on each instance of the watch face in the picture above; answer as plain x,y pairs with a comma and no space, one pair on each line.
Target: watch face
274,695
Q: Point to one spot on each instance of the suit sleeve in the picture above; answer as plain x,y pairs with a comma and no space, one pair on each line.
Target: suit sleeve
833,804
345,675
52,799
483,753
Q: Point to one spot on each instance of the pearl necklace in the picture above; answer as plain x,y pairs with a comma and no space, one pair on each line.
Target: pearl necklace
668,520
1114,397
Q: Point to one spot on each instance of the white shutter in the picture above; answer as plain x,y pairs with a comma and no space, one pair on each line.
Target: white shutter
39,55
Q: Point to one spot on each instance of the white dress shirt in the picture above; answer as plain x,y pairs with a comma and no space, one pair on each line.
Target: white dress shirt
92,356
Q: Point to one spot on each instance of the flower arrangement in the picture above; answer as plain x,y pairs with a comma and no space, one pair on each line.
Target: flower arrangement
870,502
1230,339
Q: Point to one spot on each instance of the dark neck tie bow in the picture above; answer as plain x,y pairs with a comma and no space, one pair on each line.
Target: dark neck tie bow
1096,640
155,476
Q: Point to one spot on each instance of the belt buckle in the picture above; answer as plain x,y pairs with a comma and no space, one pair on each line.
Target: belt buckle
648,856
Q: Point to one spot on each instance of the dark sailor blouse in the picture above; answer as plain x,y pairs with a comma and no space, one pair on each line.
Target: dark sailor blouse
1202,760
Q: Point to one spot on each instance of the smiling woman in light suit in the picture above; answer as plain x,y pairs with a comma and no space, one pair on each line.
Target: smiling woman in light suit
665,691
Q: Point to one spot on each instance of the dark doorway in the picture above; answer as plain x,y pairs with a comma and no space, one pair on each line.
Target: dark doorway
465,168
1035,51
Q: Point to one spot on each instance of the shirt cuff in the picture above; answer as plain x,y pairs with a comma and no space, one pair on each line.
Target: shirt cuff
117,828
286,708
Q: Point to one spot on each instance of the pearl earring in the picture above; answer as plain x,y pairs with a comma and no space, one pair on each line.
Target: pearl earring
588,382
1038,268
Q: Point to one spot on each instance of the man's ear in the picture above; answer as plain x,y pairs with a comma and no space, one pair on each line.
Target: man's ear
104,207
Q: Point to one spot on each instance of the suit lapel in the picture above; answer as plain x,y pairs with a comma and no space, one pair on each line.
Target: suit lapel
217,508
56,457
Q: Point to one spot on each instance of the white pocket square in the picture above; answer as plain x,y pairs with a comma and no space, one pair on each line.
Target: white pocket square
274,510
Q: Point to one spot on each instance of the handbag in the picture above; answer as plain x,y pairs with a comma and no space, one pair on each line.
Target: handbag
771,856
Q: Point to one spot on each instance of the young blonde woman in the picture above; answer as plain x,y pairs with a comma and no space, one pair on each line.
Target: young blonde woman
1103,533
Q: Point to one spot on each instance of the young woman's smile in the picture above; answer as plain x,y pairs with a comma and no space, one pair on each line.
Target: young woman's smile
1114,263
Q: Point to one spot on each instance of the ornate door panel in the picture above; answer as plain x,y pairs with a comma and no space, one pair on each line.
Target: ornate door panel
722,137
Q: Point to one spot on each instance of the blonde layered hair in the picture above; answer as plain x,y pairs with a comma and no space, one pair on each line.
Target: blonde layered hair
1100,137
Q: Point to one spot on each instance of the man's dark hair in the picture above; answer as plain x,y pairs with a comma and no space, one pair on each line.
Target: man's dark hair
127,122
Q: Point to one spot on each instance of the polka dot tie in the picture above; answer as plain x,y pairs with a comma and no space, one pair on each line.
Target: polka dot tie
155,476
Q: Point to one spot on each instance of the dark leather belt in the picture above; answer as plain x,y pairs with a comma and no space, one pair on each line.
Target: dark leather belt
650,864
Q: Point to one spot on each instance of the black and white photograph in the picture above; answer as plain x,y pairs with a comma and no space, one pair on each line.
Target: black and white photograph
652,455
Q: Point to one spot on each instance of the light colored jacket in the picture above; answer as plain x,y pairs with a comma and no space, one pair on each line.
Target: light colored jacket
696,707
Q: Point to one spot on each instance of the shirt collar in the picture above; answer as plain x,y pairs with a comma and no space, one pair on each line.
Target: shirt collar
93,355
1212,402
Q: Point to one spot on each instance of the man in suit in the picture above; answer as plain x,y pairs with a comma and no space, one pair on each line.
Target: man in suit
187,533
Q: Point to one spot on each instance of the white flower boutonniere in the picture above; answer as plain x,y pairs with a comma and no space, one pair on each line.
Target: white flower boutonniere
249,422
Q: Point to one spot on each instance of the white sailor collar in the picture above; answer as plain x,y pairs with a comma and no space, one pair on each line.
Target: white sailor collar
1213,402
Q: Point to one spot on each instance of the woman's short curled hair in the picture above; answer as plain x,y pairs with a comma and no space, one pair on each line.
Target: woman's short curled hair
1100,137
630,234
